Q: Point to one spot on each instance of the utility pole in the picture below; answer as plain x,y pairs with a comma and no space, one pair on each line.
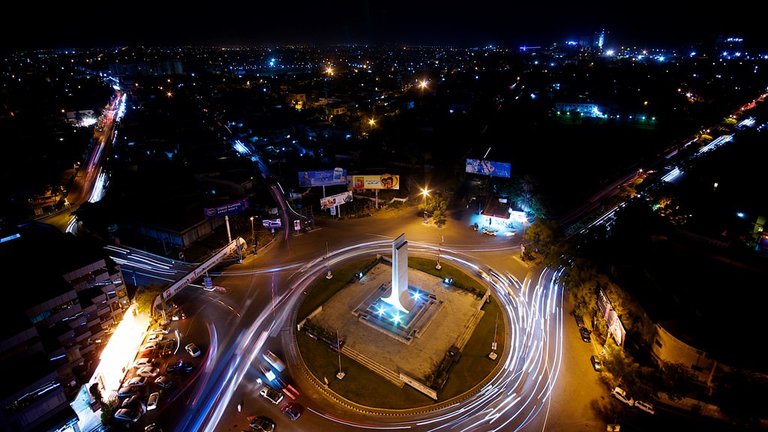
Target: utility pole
341,374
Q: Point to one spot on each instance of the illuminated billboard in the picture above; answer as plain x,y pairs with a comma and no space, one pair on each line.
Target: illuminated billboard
334,200
227,209
383,181
336,176
489,168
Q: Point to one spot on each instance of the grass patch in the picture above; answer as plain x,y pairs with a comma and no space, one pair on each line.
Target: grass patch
360,385
474,364
323,289
460,279
357,385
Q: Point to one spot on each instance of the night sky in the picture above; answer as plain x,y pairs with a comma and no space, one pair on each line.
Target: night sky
508,23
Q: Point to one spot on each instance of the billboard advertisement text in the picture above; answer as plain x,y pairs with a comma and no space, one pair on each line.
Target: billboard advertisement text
336,176
489,168
383,181
227,209
334,200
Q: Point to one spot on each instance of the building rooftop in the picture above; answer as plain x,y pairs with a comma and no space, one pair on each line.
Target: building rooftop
707,298
50,253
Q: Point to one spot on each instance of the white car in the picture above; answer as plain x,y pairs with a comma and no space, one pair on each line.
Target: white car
143,362
158,330
621,395
645,406
273,395
193,350
155,337
152,401
148,371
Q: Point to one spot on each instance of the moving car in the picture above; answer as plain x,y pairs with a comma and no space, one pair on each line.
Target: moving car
193,350
621,395
597,365
645,406
273,395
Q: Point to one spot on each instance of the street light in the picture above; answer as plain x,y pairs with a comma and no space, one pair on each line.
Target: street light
425,194
253,234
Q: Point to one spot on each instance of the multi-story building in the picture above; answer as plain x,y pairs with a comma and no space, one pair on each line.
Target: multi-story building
62,317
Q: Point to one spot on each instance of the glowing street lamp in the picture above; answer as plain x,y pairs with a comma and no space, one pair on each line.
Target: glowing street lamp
253,235
371,122
329,70
424,195
423,84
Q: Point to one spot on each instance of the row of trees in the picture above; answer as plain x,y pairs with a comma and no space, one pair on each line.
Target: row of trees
601,260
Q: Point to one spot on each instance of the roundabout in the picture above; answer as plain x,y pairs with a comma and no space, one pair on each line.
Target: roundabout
508,397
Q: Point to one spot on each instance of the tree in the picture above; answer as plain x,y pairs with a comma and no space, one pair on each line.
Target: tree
544,243
621,365
145,297
677,380
738,397
580,280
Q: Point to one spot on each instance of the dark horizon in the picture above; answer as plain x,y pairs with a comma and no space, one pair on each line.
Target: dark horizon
397,22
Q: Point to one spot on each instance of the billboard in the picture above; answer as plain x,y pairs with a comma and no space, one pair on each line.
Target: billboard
227,209
383,181
489,168
336,176
334,200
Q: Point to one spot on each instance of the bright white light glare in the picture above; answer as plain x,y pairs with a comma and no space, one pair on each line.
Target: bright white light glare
88,121
120,351
610,53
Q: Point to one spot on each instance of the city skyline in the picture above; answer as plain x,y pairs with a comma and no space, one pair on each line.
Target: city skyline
93,24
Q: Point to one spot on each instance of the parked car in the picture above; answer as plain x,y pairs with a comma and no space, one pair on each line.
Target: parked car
579,320
159,330
193,350
148,371
163,381
132,401
179,366
152,401
153,427
645,406
585,334
143,361
155,337
151,346
127,414
126,392
261,424
137,382
273,395
292,410
597,365
621,395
